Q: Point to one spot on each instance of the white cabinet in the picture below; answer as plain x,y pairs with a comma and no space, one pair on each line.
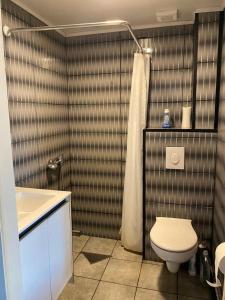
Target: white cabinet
60,245
35,264
46,256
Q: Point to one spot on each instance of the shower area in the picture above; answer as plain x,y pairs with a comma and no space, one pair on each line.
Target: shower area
70,96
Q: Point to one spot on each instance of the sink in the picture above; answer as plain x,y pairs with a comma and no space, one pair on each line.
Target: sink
29,202
21,215
32,204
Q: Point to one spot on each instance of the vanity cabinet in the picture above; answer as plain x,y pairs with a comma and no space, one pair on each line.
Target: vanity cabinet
60,249
46,256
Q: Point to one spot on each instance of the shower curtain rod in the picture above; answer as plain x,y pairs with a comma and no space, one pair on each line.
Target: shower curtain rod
8,31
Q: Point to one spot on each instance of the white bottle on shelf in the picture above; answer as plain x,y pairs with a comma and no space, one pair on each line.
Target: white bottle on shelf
186,117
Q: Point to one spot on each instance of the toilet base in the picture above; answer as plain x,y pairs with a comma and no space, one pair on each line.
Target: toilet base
172,266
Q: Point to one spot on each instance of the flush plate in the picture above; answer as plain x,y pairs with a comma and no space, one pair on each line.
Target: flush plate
175,158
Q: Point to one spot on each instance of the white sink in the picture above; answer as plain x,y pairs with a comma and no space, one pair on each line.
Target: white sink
32,204
21,215
28,202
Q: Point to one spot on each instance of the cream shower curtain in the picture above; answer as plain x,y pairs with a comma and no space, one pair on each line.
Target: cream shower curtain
131,235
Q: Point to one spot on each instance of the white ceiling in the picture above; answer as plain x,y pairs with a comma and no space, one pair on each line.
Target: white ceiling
139,13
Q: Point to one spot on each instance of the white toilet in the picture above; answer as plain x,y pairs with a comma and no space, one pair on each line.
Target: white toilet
173,240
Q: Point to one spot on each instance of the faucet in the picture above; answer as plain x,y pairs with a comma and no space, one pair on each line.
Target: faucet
55,163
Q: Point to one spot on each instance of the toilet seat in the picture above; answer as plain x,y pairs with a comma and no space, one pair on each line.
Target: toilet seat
173,234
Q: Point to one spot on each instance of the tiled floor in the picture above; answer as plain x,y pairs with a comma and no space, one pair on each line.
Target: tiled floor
103,270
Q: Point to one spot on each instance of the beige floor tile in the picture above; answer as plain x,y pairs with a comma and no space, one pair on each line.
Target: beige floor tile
145,261
122,271
79,242
100,245
190,286
82,267
120,253
75,254
79,289
112,291
157,277
153,295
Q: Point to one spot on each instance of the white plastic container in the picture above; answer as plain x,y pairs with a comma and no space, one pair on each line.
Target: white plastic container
186,117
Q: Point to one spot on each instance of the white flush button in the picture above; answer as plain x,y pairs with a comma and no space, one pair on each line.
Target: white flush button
175,158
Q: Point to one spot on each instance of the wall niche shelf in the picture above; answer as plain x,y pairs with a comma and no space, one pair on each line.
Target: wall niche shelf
178,130
205,56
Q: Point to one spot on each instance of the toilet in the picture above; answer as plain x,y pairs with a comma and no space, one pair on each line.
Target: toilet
173,240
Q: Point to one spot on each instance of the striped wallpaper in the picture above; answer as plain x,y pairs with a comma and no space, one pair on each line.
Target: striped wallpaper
219,206
187,193
94,81
219,210
70,96
38,99
206,69
100,69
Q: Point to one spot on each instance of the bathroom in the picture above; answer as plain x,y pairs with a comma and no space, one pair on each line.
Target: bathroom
68,131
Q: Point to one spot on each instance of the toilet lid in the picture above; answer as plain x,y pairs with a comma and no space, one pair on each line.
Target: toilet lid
173,234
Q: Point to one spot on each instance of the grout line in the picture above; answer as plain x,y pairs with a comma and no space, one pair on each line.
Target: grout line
77,256
165,292
132,286
138,279
85,243
104,271
79,253
136,261
136,287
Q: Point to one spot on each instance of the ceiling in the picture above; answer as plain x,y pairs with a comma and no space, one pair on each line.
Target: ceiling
139,13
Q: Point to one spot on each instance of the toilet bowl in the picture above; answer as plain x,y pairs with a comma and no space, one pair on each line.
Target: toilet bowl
173,240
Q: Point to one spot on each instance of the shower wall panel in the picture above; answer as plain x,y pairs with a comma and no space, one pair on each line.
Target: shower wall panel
94,65
38,99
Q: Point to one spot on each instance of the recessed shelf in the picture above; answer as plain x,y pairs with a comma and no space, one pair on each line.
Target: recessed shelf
178,130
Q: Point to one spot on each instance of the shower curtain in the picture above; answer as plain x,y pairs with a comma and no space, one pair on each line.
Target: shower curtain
132,218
